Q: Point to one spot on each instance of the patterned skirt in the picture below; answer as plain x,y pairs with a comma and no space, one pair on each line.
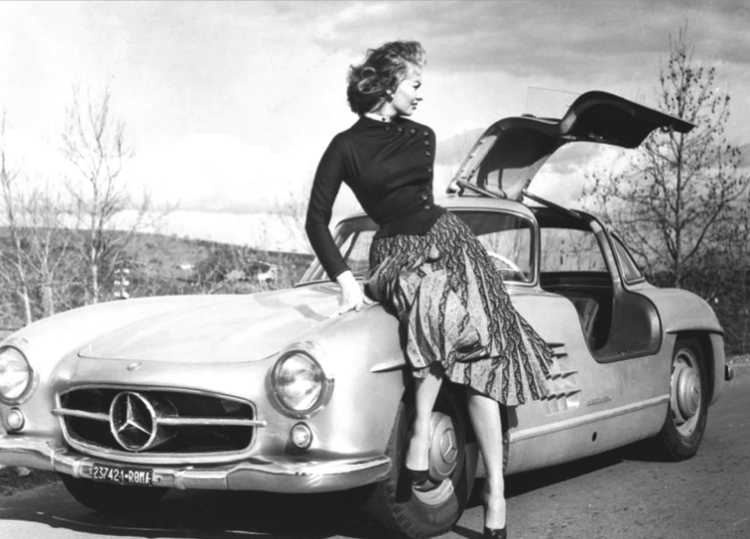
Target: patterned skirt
454,310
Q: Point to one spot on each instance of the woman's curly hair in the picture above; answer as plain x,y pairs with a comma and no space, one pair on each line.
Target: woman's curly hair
383,69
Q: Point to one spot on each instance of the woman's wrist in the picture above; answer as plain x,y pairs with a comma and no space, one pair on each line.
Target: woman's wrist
345,278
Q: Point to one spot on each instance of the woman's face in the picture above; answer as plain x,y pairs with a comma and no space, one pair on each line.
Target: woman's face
406,97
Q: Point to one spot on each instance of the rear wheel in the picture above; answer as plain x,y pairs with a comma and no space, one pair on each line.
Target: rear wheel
685,423
107,498
394,505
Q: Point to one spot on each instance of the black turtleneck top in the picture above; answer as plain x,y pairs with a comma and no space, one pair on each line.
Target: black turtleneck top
389,168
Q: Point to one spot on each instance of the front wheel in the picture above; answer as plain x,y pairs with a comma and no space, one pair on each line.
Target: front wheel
688,402
394,505
107,498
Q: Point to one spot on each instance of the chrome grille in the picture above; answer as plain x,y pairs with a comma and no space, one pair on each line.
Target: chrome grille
148,424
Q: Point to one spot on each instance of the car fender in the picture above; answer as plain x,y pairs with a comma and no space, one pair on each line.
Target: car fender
362,352
683,312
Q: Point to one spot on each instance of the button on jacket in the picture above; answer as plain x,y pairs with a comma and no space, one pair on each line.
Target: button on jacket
388,167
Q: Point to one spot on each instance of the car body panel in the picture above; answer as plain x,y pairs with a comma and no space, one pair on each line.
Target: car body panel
257,327
592,406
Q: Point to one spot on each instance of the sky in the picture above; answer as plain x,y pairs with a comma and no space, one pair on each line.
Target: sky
229,105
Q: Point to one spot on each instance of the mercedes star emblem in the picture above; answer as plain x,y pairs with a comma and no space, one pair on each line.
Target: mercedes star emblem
132,420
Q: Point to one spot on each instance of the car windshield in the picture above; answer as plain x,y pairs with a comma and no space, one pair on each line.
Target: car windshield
507,237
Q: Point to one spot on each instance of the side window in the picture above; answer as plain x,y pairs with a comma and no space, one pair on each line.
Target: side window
567,249
630,271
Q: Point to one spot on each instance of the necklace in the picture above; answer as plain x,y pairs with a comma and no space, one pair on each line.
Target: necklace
378,117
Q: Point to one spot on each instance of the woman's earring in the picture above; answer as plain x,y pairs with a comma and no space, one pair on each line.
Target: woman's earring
389,93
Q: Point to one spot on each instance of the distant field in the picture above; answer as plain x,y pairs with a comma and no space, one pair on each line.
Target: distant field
167,264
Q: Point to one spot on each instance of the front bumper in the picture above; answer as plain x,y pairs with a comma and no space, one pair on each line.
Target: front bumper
279,475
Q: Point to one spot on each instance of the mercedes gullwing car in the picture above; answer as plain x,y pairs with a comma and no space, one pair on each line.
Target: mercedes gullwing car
270,392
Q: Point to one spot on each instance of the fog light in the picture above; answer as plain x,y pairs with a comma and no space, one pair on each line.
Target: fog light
302,436
15,419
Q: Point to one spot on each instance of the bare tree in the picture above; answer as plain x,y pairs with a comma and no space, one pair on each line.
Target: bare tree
34,264
724,278
17,269
95,144
678,187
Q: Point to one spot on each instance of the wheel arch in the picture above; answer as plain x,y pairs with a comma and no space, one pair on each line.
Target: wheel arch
685,314
712,349
389,504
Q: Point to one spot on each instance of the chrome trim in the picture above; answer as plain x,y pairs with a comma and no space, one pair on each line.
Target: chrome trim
316,353
79,413
26,350
205,421
201,421
279,474
544,430
562,374
389,365
153,458
131,405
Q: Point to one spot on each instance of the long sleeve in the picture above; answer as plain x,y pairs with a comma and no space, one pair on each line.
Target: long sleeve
331,172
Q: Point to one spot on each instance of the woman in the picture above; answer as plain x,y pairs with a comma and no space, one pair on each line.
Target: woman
426,266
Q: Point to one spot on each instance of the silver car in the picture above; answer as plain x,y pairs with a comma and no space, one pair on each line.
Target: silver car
269,392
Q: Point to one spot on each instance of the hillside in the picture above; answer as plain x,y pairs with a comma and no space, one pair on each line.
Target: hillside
151,264
169,258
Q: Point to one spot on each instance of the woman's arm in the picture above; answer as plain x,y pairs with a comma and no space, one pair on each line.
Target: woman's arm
331,173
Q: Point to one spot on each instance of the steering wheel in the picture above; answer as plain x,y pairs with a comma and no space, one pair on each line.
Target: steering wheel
506,261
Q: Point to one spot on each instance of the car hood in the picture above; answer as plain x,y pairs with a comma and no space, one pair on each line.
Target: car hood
232,328
508,155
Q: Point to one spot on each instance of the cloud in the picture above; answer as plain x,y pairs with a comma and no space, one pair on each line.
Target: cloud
259,230
563,177
214,172
231,104
580,42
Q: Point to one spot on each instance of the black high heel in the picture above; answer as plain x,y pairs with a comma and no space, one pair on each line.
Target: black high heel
491,533
495,533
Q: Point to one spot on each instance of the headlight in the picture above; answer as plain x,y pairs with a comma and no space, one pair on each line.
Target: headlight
16,375
299,384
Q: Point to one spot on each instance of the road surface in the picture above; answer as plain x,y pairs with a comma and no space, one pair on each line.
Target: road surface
619,495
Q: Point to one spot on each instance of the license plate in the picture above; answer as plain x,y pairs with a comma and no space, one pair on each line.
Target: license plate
122,475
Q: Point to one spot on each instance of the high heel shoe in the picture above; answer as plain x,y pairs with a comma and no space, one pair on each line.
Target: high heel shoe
491,533
495,533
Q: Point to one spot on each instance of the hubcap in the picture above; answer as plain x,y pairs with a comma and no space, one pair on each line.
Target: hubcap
686,392
443,459
443,446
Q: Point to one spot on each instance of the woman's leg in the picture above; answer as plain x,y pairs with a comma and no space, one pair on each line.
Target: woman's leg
486,420
427,389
